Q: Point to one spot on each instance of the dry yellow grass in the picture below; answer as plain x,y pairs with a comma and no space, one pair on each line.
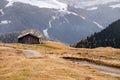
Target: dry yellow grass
46,46
14,65
59,49
50,46
108,51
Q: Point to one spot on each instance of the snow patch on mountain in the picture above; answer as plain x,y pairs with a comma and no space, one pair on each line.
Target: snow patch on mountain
45,31
100,26
5,22
87,3
1,11
91,9
115,6
69,12
63,4
41,3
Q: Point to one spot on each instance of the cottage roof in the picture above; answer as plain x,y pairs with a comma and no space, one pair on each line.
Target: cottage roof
20,36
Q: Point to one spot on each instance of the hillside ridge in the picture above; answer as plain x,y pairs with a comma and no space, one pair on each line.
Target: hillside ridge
107,37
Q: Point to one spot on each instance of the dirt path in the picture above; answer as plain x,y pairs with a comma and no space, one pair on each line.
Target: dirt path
28,53
104,69
32,54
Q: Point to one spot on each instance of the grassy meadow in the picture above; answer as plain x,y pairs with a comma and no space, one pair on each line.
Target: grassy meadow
15,66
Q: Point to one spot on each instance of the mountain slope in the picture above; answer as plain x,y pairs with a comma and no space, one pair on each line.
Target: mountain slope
62,20
108,37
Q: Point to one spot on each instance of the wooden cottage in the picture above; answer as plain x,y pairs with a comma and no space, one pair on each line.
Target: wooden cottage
28,38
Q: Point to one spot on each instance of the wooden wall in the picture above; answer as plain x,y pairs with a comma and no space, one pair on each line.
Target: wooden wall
29,39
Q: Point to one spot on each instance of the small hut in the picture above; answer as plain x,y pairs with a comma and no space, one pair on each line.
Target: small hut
28,38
